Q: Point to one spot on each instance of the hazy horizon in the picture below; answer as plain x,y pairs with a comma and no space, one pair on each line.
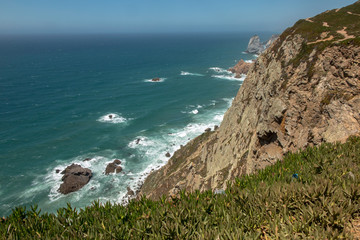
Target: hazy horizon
140,16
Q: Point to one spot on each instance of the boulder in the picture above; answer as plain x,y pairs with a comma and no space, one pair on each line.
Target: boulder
113,167
75,177
155,79
168,155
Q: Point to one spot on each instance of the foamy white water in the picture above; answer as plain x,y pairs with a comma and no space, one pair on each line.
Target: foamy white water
112,118
183,73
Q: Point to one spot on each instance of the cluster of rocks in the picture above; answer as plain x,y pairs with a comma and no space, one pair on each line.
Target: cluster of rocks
75,176
113,167
256,46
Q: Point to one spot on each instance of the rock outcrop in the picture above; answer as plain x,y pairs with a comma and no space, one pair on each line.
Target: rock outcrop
113,167
272,39
302,91
241,68
256,46
75,177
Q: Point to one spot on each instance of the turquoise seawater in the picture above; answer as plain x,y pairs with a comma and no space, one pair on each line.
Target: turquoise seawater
56,94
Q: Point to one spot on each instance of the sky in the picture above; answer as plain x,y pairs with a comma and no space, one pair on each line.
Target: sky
147,16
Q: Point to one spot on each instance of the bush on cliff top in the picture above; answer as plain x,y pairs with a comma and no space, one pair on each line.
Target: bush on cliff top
311,194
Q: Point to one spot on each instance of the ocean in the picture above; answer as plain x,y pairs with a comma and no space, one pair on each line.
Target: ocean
57,92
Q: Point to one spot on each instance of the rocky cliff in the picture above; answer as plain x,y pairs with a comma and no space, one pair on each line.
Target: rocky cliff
302,91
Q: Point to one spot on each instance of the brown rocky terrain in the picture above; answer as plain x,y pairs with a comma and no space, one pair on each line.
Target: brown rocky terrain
300,92
241,68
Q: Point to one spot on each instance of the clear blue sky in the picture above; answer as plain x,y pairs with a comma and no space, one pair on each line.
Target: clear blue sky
116,16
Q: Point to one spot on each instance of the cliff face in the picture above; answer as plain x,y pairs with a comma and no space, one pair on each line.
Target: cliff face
302,91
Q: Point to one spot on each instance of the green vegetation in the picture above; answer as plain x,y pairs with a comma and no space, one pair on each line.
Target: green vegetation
318,203
324,30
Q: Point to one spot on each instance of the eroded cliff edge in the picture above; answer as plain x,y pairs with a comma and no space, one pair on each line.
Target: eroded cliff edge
303,90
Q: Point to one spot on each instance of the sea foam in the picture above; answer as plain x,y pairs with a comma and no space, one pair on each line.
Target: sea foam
183,73
112,118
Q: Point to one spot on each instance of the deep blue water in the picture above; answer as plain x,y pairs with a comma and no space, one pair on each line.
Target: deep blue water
56,93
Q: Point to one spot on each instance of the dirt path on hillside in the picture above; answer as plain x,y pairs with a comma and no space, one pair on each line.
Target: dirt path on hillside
353,14
345,34
323,38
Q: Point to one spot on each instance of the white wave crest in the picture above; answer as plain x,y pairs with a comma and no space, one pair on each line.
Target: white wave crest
220,70
228,77
190,74
195,111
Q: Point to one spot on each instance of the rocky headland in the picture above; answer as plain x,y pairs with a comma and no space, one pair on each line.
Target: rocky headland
303,90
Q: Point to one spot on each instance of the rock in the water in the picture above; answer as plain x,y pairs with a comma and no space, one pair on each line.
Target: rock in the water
57,170
241,68
167,154
86,159
255,46
113,167
208,130
75,177
117,161
155,79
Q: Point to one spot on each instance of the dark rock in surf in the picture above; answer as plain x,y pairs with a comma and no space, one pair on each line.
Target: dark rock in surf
113,167
75,177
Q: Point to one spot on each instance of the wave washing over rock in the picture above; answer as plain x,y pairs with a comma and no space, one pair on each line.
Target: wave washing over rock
302,91
112,118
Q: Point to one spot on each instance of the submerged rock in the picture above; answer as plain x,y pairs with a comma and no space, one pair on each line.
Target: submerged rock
75,177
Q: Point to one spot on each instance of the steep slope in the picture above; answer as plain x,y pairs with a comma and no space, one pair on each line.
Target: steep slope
303,90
